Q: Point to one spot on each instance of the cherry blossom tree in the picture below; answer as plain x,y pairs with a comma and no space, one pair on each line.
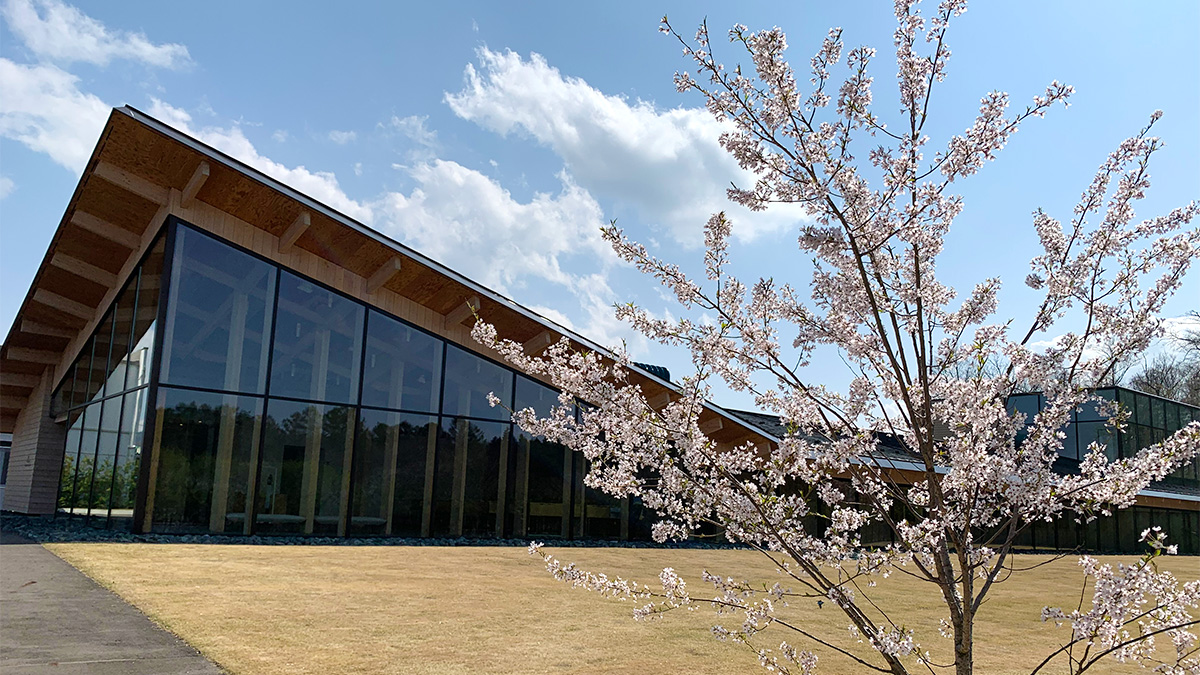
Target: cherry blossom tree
927,367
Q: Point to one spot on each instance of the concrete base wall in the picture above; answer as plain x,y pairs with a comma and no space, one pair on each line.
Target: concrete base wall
36,456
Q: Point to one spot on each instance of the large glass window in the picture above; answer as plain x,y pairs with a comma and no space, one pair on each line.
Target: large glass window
89,436
318,340
392,459
70,464
218,316
304,485
472,464
403,366
129,454
122,315
469,379
108,438
207,449
541,493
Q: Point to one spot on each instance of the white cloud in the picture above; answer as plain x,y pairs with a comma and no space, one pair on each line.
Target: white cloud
280,136
413,128
6,186
470,223
342,137
667,164
358,170
57,32
320,185
43,108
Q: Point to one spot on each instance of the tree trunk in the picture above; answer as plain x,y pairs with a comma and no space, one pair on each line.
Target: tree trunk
964,643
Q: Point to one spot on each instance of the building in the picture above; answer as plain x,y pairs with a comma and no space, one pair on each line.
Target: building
207,350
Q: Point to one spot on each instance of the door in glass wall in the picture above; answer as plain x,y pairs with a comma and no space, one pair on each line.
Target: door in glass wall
304,485
403,368
218,316
392,461
472,464
204,464
318,341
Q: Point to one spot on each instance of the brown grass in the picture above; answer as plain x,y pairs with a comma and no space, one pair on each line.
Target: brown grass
329,610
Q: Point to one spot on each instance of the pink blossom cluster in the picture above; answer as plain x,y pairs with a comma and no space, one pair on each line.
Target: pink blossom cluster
928,368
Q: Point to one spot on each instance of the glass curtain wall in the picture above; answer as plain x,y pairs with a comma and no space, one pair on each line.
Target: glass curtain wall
104,399
284,407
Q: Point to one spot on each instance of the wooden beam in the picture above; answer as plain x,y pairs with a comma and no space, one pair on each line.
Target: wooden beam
193,185
65,305
83,269
659,401
43,329
13,401
711,426
463,311
107,230
135,184
534,345
33,355
19,380
384,274
297,228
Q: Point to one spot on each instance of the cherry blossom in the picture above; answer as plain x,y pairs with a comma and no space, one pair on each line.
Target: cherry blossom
929,369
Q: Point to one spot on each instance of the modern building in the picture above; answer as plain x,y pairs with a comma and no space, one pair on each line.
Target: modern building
207,350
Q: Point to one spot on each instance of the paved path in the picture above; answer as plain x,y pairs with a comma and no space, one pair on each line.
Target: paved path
53,619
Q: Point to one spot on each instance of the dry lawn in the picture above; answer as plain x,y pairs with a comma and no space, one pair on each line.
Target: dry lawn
329,610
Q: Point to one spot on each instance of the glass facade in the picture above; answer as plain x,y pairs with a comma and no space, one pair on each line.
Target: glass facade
1151,419
103,398
283,407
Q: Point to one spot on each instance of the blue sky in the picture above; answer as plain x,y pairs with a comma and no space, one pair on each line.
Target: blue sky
498,138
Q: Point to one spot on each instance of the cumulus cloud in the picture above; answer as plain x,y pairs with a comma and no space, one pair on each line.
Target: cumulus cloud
43,108
342,137
472,235
666,164
6,186
57,32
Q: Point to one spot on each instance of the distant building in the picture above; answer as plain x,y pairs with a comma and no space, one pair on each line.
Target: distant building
207,350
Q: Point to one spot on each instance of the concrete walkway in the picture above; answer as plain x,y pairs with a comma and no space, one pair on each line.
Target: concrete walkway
53,619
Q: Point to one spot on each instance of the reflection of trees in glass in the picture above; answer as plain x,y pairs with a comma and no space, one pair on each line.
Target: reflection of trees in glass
187,459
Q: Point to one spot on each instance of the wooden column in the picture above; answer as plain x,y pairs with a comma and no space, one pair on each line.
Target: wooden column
567,481
502,486
347,467
148,518
312,466
430,458
580,496
459,490
521,512
251,485
225,435
312,449
395,391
